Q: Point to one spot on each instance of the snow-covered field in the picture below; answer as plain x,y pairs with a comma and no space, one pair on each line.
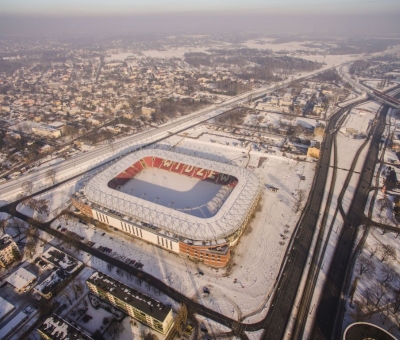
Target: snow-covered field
172,189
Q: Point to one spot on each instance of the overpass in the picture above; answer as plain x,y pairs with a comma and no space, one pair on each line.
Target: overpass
374,94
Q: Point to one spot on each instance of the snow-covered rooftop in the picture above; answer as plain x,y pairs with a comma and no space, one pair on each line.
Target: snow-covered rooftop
20,278
5,307
224,223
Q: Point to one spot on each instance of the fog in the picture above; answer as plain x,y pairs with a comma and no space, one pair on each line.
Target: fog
198,23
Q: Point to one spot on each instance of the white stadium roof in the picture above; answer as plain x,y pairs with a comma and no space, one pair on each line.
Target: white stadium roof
224,223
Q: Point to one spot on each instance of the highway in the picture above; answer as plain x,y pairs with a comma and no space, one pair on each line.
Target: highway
88,160
332,292
320,246
296,259
103,154
365,89
291,270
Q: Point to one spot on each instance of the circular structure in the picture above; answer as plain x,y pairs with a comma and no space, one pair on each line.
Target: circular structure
190,200
366,331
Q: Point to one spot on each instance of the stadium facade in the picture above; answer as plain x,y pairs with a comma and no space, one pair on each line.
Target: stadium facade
186,204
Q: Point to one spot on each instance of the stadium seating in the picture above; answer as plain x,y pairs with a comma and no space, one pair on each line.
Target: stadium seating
157,162
148,161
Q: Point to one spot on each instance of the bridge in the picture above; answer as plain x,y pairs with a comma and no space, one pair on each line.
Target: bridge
393,102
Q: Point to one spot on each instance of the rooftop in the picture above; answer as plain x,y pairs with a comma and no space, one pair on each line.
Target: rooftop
59,329
20,278
131,296
61,259
5,241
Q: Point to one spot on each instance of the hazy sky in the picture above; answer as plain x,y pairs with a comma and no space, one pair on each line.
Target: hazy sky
107,7
99,17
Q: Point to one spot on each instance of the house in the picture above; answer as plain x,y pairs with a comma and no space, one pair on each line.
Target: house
9,251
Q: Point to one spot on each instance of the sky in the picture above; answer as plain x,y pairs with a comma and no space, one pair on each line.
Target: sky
107,7
69,17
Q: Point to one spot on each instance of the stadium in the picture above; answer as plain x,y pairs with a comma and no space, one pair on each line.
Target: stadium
189,205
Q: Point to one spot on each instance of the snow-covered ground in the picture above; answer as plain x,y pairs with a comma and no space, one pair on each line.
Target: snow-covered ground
256,258
374,284
347,149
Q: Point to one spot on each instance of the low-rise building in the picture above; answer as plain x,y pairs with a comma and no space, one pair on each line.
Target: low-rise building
21,279
64,266
9,251
139,306
56,328
5,308
46,131
147,110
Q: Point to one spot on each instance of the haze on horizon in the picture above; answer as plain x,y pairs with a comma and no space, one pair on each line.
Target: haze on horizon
324,17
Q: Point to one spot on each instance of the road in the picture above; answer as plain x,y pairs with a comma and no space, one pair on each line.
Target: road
101,155
364,88
296,259
332,291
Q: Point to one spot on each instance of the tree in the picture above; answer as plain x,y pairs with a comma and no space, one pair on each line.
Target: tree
388,252
301,195
148,336
388,274
77,288
365,265
379,291
3,224
385,203
396,302
51,175
17,225
181,318
97,335
27,188
115,330
32,237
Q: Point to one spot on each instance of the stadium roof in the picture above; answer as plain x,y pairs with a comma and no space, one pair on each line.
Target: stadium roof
224,223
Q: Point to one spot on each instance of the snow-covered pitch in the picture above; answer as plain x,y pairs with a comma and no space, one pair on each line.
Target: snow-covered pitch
191,197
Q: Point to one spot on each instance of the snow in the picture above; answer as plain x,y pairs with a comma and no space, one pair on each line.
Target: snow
225,222
15,322
257,256
20,278
5,307
368,281
156,185
347,149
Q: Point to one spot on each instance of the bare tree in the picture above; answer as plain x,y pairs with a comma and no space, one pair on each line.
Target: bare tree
66,295
51,175
32,238
396,301
181,318
357,312
365,265
379,291
388,252
385,203
388,274
77,288
115,330
17,225
27,188
3,224
301,195
148,336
